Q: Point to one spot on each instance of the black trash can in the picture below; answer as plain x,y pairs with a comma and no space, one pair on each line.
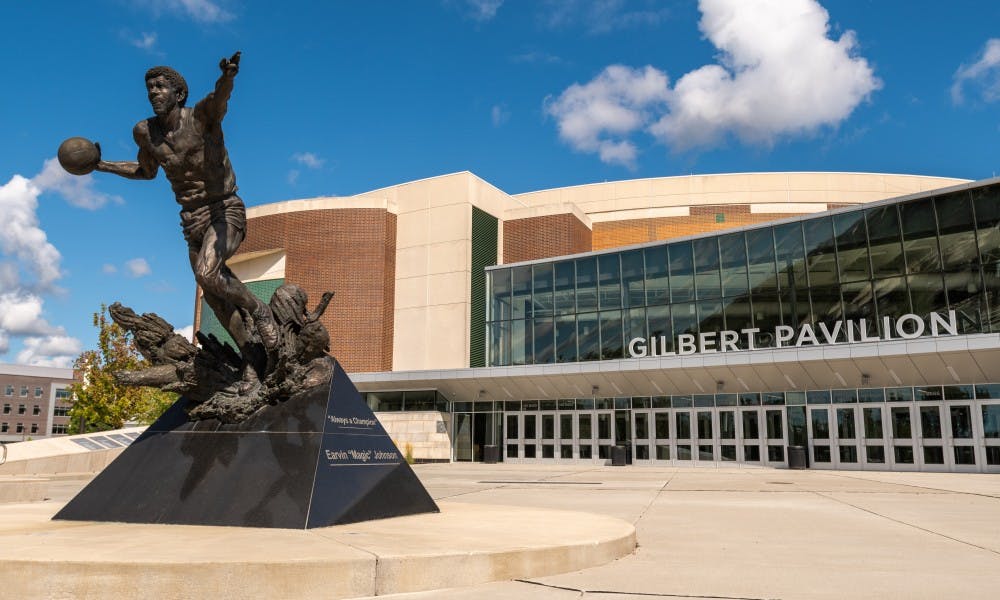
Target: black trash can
618,457
797,457
491,454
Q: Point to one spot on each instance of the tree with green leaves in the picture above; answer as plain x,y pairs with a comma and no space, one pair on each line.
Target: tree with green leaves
100,402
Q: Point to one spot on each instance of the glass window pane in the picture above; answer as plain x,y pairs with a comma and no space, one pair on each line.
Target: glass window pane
658,318
635,326
991,421
986,202
681,272
733,253
588,336
821,251
927,295
845,423
826,307
583,425
930,422
662,424
956,227
884,241
920,242
727,425
859,303
961,421
966,296
544,335
586,284
500,292
711,319
611,334
657,291
891,297
683,425
852,246
751,426
790,254
685,319
760,255
820,423
520,342
609,281
901,427
521,278
775,421
738,317
565,292
632,278
704,425
706,266
542,290
873,422
565,329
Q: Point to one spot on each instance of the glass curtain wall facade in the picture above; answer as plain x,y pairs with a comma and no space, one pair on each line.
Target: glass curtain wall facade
929,254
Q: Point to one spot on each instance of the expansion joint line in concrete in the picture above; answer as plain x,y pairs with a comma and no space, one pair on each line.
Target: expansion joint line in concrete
917,527
644,594
919,487
508,484
659,492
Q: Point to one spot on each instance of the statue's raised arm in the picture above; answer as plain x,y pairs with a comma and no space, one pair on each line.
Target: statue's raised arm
212,108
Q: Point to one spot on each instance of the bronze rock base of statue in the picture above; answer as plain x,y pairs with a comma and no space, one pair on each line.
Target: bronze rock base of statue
221,383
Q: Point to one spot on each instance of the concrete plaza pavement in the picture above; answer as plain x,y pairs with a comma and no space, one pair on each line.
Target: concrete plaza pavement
754,533
745,533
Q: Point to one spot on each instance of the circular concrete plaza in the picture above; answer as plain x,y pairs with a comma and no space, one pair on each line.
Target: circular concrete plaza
731,533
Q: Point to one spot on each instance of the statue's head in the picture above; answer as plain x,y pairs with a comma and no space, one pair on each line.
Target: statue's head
166,88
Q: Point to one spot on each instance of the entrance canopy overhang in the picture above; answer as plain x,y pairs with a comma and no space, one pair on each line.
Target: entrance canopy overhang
925,361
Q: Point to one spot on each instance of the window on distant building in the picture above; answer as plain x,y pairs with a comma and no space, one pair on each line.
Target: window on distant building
9,390
6,409
24,391
21,409
720,217
57,429
38,392
36,410
20,428
63,394
4,427
34,428
61,411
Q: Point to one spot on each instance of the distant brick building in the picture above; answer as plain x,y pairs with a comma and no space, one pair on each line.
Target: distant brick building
34,402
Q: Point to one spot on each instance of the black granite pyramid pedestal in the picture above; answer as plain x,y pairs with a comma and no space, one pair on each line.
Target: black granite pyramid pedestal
319,459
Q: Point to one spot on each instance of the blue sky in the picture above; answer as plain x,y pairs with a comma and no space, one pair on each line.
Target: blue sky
337,98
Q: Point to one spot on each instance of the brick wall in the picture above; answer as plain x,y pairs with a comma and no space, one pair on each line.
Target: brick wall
10,406
351,252
703,219
544,237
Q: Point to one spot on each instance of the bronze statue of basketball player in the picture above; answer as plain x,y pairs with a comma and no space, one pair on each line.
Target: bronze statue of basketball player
188,144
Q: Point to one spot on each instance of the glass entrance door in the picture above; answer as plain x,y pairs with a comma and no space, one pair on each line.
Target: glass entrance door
990,413
961,437
642,436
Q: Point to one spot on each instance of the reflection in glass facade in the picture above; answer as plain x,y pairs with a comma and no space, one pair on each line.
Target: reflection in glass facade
931,254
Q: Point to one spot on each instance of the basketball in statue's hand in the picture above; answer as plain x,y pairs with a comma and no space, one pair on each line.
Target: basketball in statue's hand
78,155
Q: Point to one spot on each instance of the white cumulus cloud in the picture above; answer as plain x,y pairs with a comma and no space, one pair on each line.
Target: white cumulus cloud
483,10
50,351
778,75
597,115
23,239
308,159
137,267
203,11
78,190
982,75
186,332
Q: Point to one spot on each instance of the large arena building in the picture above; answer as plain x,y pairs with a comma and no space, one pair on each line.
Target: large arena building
844,320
